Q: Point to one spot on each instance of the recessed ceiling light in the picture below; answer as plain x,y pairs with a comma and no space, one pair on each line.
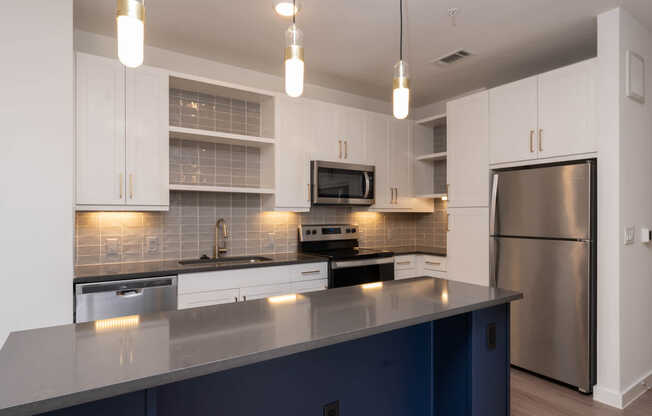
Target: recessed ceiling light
285,8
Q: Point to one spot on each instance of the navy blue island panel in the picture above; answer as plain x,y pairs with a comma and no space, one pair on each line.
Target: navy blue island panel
457,365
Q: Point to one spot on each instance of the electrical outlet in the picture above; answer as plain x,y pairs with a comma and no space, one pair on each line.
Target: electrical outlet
112,246
629,235
151,244
332,409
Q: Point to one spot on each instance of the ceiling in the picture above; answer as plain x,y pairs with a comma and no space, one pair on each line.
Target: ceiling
353,45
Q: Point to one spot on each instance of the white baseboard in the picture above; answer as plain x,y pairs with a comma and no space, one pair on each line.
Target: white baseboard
622,400
637,389
607,396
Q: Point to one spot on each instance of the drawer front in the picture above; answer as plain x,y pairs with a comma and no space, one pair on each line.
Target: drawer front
231,279
310,286
405,274
435,263
311,271
215,297
434,273
405,262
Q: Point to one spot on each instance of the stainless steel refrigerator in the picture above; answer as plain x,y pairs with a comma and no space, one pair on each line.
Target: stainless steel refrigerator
542,229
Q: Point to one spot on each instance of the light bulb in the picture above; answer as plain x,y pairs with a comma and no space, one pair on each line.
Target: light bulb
285,8
401,94
131,32
294,65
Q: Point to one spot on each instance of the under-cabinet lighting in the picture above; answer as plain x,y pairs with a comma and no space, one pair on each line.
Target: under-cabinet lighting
444,198
122,322
283,298
374,285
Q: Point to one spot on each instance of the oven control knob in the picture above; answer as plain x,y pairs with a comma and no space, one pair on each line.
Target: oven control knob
353,230
348,230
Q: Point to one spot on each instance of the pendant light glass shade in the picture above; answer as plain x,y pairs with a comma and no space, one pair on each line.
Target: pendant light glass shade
294,66
401,95
130,21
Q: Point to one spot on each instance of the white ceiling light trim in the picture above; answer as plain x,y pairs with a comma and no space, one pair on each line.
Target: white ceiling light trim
286,8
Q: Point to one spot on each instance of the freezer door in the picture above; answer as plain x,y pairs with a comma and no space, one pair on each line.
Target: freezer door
550,325
549,202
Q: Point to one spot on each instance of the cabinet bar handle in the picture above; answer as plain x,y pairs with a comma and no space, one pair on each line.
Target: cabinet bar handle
396,195
131,186
311,272
541,140
402,262
531,141
308,198
346,149
340,142
433,263
121,183
236,299
244,298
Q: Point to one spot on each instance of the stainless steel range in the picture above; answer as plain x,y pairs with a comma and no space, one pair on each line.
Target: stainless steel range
349,265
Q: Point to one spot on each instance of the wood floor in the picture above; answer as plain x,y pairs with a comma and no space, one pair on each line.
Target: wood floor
533,396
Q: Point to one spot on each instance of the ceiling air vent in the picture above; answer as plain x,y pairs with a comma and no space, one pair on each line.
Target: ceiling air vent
451,58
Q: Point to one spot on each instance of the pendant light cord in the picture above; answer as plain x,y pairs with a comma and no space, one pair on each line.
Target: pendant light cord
401,14
294,11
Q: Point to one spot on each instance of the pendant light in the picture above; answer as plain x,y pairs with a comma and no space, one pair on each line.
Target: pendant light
130,21
294,66
401,84
286,8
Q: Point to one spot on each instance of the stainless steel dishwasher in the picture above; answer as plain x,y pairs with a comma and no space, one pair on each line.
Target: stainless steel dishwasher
103,300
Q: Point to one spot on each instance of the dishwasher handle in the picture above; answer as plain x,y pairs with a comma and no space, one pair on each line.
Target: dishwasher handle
129,293
126,288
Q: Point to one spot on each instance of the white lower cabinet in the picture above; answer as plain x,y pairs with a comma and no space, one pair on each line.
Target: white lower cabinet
217,287
468,245
417,265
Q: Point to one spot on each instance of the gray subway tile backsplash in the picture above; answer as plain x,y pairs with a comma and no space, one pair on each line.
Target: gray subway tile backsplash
187,229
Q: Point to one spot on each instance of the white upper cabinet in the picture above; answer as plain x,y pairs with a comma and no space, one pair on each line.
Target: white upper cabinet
327,146
567,110
100,129
297,122
513,121
147,150
350,132
377,144
546,116
401,162
468,151
122,136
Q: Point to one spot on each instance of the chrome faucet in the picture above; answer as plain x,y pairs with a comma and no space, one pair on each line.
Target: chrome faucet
220,249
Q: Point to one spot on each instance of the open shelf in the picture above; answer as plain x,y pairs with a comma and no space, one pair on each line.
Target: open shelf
434,121
229,189
433,196
219,137
433,156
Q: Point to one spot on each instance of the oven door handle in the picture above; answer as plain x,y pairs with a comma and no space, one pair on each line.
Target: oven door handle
346,264
367,185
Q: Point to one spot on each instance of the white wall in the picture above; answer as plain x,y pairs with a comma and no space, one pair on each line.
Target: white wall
624,199
106,46
36,164
636,210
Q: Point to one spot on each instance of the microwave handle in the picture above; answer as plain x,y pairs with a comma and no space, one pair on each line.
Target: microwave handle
367,185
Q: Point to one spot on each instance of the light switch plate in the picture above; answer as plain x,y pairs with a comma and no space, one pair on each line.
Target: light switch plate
629,235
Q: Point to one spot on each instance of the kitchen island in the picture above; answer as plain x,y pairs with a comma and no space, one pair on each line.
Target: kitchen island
421,346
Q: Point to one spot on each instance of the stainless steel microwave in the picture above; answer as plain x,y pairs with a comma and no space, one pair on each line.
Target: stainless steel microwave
336,183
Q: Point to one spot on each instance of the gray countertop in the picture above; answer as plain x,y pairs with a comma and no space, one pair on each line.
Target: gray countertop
123,271
434,251
57,367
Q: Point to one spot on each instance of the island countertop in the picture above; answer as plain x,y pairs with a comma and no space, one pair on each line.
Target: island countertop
56,367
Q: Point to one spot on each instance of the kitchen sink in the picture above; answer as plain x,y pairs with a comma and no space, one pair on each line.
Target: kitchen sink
226,260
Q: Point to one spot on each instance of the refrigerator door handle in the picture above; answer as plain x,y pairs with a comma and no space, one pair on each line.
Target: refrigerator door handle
492,208
493,262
